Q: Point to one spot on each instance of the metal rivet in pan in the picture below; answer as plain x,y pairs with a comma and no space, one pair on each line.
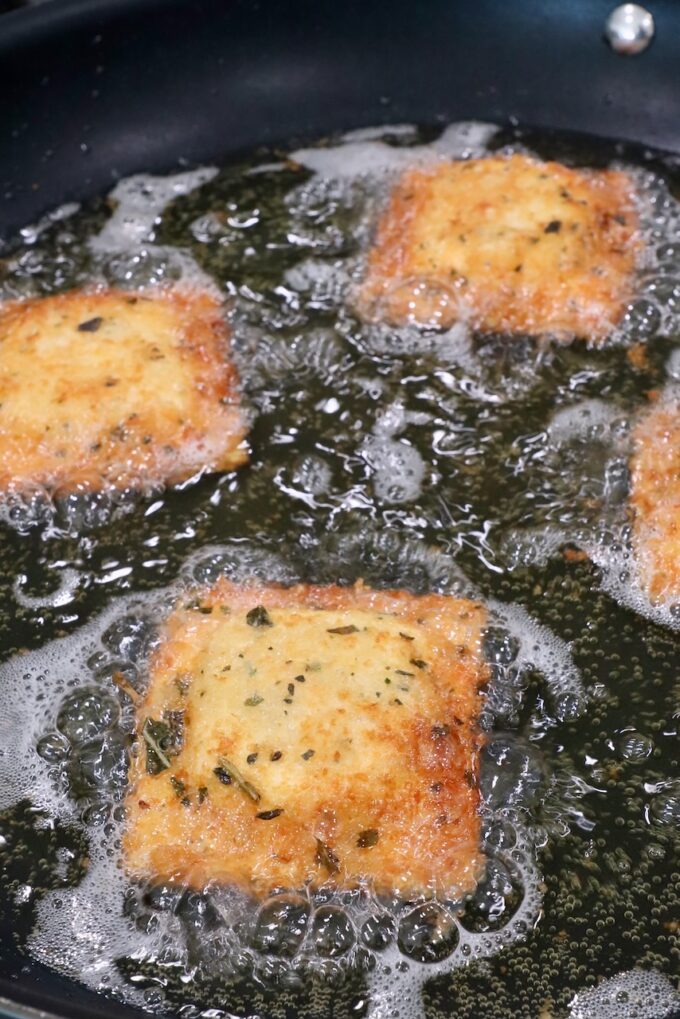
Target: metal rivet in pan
629,29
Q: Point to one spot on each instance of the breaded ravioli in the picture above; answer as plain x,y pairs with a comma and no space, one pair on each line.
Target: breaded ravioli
509,244
310,734
655,500
116,388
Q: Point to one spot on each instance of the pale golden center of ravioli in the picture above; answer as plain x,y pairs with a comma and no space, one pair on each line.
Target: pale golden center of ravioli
493,217
291,703
76,385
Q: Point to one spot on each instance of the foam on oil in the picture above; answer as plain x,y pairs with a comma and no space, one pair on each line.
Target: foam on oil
66,728
433,460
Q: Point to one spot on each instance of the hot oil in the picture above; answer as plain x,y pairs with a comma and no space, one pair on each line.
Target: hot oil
422,459
71,723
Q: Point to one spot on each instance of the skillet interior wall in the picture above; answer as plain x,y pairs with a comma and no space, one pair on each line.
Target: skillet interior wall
91,89
256,73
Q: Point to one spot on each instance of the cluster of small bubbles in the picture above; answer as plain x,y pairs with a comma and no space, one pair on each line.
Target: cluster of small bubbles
27,510
60,708
387,559
397,468
266,360
125,252
323,285
30,234
371,157
74,511
379,557
655,310
536,546
587,421
138,203
527,645
636,994
313,475
69,581
239,561
581,462
330,216
620,575
580,459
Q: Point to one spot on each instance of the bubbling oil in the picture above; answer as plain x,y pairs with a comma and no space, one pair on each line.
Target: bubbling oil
482,466
74,728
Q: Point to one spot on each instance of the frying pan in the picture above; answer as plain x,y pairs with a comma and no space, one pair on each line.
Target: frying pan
92,90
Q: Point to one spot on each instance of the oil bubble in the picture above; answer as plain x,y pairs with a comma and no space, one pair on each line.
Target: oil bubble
495,901
281,925
379,931
100,765
87,713
332,931
635,747
665,807
428,933
513,773
53,747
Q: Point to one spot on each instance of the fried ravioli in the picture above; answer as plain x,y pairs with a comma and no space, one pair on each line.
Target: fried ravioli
655,500
509,244
112,388
311,734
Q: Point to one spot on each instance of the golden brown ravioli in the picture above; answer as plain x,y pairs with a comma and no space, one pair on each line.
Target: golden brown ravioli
655,499
509,244
311,734
116,388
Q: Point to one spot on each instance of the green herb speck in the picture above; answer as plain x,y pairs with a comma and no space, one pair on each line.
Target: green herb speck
259,617
367,838
154,734
326,857
228,773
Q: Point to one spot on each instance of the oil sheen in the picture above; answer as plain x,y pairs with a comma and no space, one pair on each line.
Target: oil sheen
485,466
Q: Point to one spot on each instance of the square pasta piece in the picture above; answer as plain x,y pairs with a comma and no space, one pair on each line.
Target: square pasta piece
508,244
311,735
655,500
115,388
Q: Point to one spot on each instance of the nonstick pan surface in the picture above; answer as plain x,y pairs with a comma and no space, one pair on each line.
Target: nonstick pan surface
93,90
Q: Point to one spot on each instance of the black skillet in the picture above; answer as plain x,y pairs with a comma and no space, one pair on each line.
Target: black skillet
91,90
